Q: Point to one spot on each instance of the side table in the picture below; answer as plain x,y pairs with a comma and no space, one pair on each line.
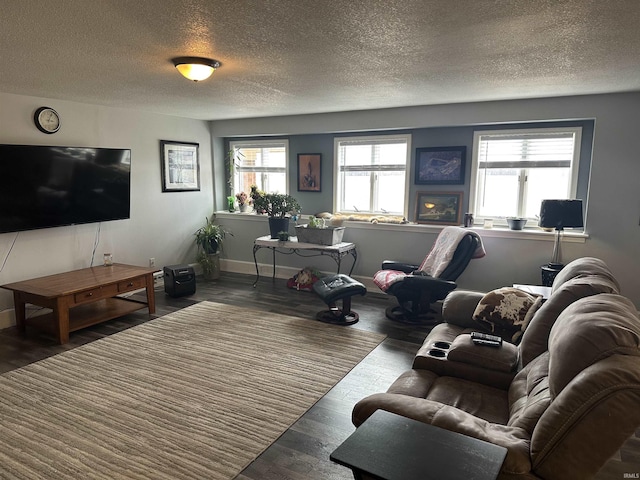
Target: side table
292,246
392,447
541,290
549,272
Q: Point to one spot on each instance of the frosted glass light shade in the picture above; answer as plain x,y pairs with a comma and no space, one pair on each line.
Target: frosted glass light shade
196,68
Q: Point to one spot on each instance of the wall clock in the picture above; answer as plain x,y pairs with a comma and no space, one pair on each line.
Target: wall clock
47,120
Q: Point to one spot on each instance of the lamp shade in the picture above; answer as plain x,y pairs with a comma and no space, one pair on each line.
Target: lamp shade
196,68
561,213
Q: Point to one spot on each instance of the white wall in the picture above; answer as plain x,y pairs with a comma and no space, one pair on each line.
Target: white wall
613,209
161,224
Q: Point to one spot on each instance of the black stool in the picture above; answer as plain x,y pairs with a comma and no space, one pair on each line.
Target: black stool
334,288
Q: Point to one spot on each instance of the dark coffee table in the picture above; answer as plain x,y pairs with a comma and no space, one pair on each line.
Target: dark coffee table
391,447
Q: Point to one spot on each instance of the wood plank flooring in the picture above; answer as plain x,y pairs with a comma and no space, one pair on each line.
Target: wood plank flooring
302,453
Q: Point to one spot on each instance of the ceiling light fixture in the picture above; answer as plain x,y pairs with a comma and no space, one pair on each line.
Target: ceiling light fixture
196,68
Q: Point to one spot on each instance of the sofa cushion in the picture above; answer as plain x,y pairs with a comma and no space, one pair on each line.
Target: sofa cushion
589,330
488,403
504,309
536,335
584,266
529,394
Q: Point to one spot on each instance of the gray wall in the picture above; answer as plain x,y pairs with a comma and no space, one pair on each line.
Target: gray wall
612,209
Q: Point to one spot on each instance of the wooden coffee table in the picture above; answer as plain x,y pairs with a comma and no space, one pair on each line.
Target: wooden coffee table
82,298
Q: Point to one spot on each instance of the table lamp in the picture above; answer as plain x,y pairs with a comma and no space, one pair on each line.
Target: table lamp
558,214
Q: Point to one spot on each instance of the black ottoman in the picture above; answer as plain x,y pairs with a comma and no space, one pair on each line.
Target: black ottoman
334,288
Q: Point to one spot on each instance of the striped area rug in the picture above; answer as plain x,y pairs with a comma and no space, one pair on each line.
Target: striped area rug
196,394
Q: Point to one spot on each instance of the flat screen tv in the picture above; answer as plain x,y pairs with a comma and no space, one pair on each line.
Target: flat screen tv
51,186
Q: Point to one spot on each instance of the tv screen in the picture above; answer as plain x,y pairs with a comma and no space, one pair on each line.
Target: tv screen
50,186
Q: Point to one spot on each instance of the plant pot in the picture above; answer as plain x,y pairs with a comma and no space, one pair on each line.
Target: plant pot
211,247
278,224
516,223
320,236
210,263
243,207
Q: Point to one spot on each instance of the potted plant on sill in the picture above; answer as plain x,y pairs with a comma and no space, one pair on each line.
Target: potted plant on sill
244,201
209,240
278,206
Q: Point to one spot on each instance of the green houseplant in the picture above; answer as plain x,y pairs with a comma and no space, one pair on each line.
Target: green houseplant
209,240
278,206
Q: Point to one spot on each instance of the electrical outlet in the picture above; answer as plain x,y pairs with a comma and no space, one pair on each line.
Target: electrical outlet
152,262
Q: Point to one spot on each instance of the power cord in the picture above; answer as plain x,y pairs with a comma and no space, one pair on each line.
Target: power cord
4,262
95,244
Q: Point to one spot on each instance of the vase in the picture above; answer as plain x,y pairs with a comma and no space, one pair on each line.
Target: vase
230,204
243,207
211,267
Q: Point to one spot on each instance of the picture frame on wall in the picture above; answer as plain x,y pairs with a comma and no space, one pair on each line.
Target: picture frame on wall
440,165
180,166
309,172
439,208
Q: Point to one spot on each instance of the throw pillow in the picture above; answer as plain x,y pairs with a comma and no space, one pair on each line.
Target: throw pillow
505,310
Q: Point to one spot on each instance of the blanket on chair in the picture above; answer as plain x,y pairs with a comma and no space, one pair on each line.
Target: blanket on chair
445,246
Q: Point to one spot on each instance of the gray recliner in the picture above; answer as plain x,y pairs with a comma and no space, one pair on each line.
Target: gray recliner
563,414
448,349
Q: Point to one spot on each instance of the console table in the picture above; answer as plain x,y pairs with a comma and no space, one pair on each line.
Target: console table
392,447
82,298
292,246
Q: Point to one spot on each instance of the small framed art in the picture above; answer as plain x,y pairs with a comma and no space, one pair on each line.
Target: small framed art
439,208
309,173
440,165
180,166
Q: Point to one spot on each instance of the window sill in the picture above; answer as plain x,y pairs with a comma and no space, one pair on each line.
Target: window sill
496,232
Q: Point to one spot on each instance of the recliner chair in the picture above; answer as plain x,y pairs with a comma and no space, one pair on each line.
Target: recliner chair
448,350
416,287
564,414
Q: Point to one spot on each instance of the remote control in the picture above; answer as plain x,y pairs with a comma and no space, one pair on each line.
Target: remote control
484,339
486,336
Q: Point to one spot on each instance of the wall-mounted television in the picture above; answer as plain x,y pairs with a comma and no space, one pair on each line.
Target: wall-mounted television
52,186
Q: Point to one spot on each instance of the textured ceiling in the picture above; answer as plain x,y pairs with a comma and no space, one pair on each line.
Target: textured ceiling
283,57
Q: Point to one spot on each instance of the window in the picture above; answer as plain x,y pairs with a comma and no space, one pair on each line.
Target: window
371,174
514,170
262,163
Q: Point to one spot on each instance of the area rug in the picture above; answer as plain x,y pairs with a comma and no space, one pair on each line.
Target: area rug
197,394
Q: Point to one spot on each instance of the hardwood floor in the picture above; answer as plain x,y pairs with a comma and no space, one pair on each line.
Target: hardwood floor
302,452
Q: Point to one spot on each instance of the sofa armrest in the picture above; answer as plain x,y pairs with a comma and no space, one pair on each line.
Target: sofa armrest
503,358
427,282
458,308
515,440
400,266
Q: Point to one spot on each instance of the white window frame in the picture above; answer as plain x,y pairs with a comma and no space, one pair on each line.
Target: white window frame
337,190
474,187
238,144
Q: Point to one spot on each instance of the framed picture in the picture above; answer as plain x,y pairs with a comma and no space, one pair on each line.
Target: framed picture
309,173
180,166
441,208
440,165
